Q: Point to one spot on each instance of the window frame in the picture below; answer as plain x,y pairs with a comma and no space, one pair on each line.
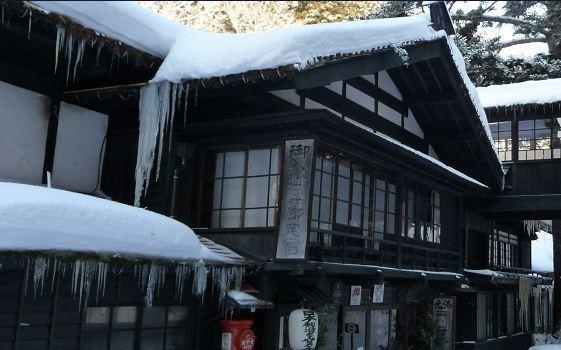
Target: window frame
138,326
209,177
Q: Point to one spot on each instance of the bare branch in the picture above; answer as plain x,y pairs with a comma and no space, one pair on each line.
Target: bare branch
539,39
501,19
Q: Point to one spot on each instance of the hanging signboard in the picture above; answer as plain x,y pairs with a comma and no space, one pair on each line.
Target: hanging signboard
356,295
293,224
378,293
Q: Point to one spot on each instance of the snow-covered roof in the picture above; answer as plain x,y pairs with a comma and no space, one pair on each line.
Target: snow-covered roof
46,220
198,54
542,252
124,21
528,92
435,161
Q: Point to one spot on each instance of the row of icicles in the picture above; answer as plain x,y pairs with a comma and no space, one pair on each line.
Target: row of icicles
89,277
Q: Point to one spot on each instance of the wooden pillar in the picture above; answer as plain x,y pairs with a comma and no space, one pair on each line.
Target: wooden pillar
556,232
50,143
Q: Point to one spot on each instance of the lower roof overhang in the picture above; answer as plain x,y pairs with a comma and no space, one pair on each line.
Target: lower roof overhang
379,273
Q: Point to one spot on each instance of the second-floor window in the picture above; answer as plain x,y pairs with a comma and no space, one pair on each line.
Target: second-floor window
245,188
353,199
503,249
421,215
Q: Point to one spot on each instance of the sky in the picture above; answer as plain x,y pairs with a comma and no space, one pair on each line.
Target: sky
505,31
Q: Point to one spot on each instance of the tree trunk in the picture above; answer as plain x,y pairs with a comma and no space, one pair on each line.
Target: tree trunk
556,275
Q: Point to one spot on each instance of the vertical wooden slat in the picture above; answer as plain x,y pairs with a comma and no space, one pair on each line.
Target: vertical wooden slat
20,309
53,312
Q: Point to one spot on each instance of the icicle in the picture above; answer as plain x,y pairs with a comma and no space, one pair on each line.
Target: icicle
185,105
60,36
40,268
199,280
531,226
69,48
155,117
29,25
79,55
98,53
152,278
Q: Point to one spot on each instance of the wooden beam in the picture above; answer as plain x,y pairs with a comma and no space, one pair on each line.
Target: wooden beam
450,137
348,68
364,116
520,207
378,94
432,98
50,144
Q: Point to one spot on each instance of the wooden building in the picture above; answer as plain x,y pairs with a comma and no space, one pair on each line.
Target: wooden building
361,181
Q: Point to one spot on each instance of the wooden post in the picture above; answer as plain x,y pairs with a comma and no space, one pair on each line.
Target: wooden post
556,232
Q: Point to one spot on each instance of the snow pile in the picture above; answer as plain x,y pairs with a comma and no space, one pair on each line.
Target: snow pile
34,218
198,54
542,252
545,342
546,347
528,92
124,21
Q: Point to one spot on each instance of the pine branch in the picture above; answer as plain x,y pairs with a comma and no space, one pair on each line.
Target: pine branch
501,19
539,39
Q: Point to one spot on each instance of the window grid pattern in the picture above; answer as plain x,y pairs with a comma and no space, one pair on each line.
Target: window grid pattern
421,218
503,249
502,138
347,194
245,188
131,327
539,139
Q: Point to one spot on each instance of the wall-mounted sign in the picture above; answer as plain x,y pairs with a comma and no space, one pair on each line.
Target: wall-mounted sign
337,293
356,295
444,317
293,223
226,341
378,293
351,327
303,328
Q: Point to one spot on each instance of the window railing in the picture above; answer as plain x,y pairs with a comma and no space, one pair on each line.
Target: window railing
335,246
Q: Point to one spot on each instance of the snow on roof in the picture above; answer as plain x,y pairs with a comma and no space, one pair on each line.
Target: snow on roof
435,161
198,54
542,252
528,92
34,218
124,21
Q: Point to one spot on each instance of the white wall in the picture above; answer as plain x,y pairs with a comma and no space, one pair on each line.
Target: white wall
24,119
79,145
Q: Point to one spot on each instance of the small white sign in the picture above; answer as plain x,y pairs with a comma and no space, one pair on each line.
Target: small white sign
226,341
356,295
378,293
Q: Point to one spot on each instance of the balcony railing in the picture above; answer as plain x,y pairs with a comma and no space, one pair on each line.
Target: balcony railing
346,247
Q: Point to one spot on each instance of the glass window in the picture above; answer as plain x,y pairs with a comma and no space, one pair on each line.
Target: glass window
353,198
503,249
502,136
421,215
245,188
117,328
539,139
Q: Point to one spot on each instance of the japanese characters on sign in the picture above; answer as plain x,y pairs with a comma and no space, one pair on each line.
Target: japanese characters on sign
293,233
356,295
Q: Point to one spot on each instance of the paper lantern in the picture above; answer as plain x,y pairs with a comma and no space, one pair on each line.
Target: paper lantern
303,325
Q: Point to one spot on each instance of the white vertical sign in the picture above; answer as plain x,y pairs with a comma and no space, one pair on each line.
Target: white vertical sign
356,295
378,293
293,225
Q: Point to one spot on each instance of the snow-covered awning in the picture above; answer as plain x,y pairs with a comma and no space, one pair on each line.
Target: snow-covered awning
52,230
528,92
245,301
39,219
